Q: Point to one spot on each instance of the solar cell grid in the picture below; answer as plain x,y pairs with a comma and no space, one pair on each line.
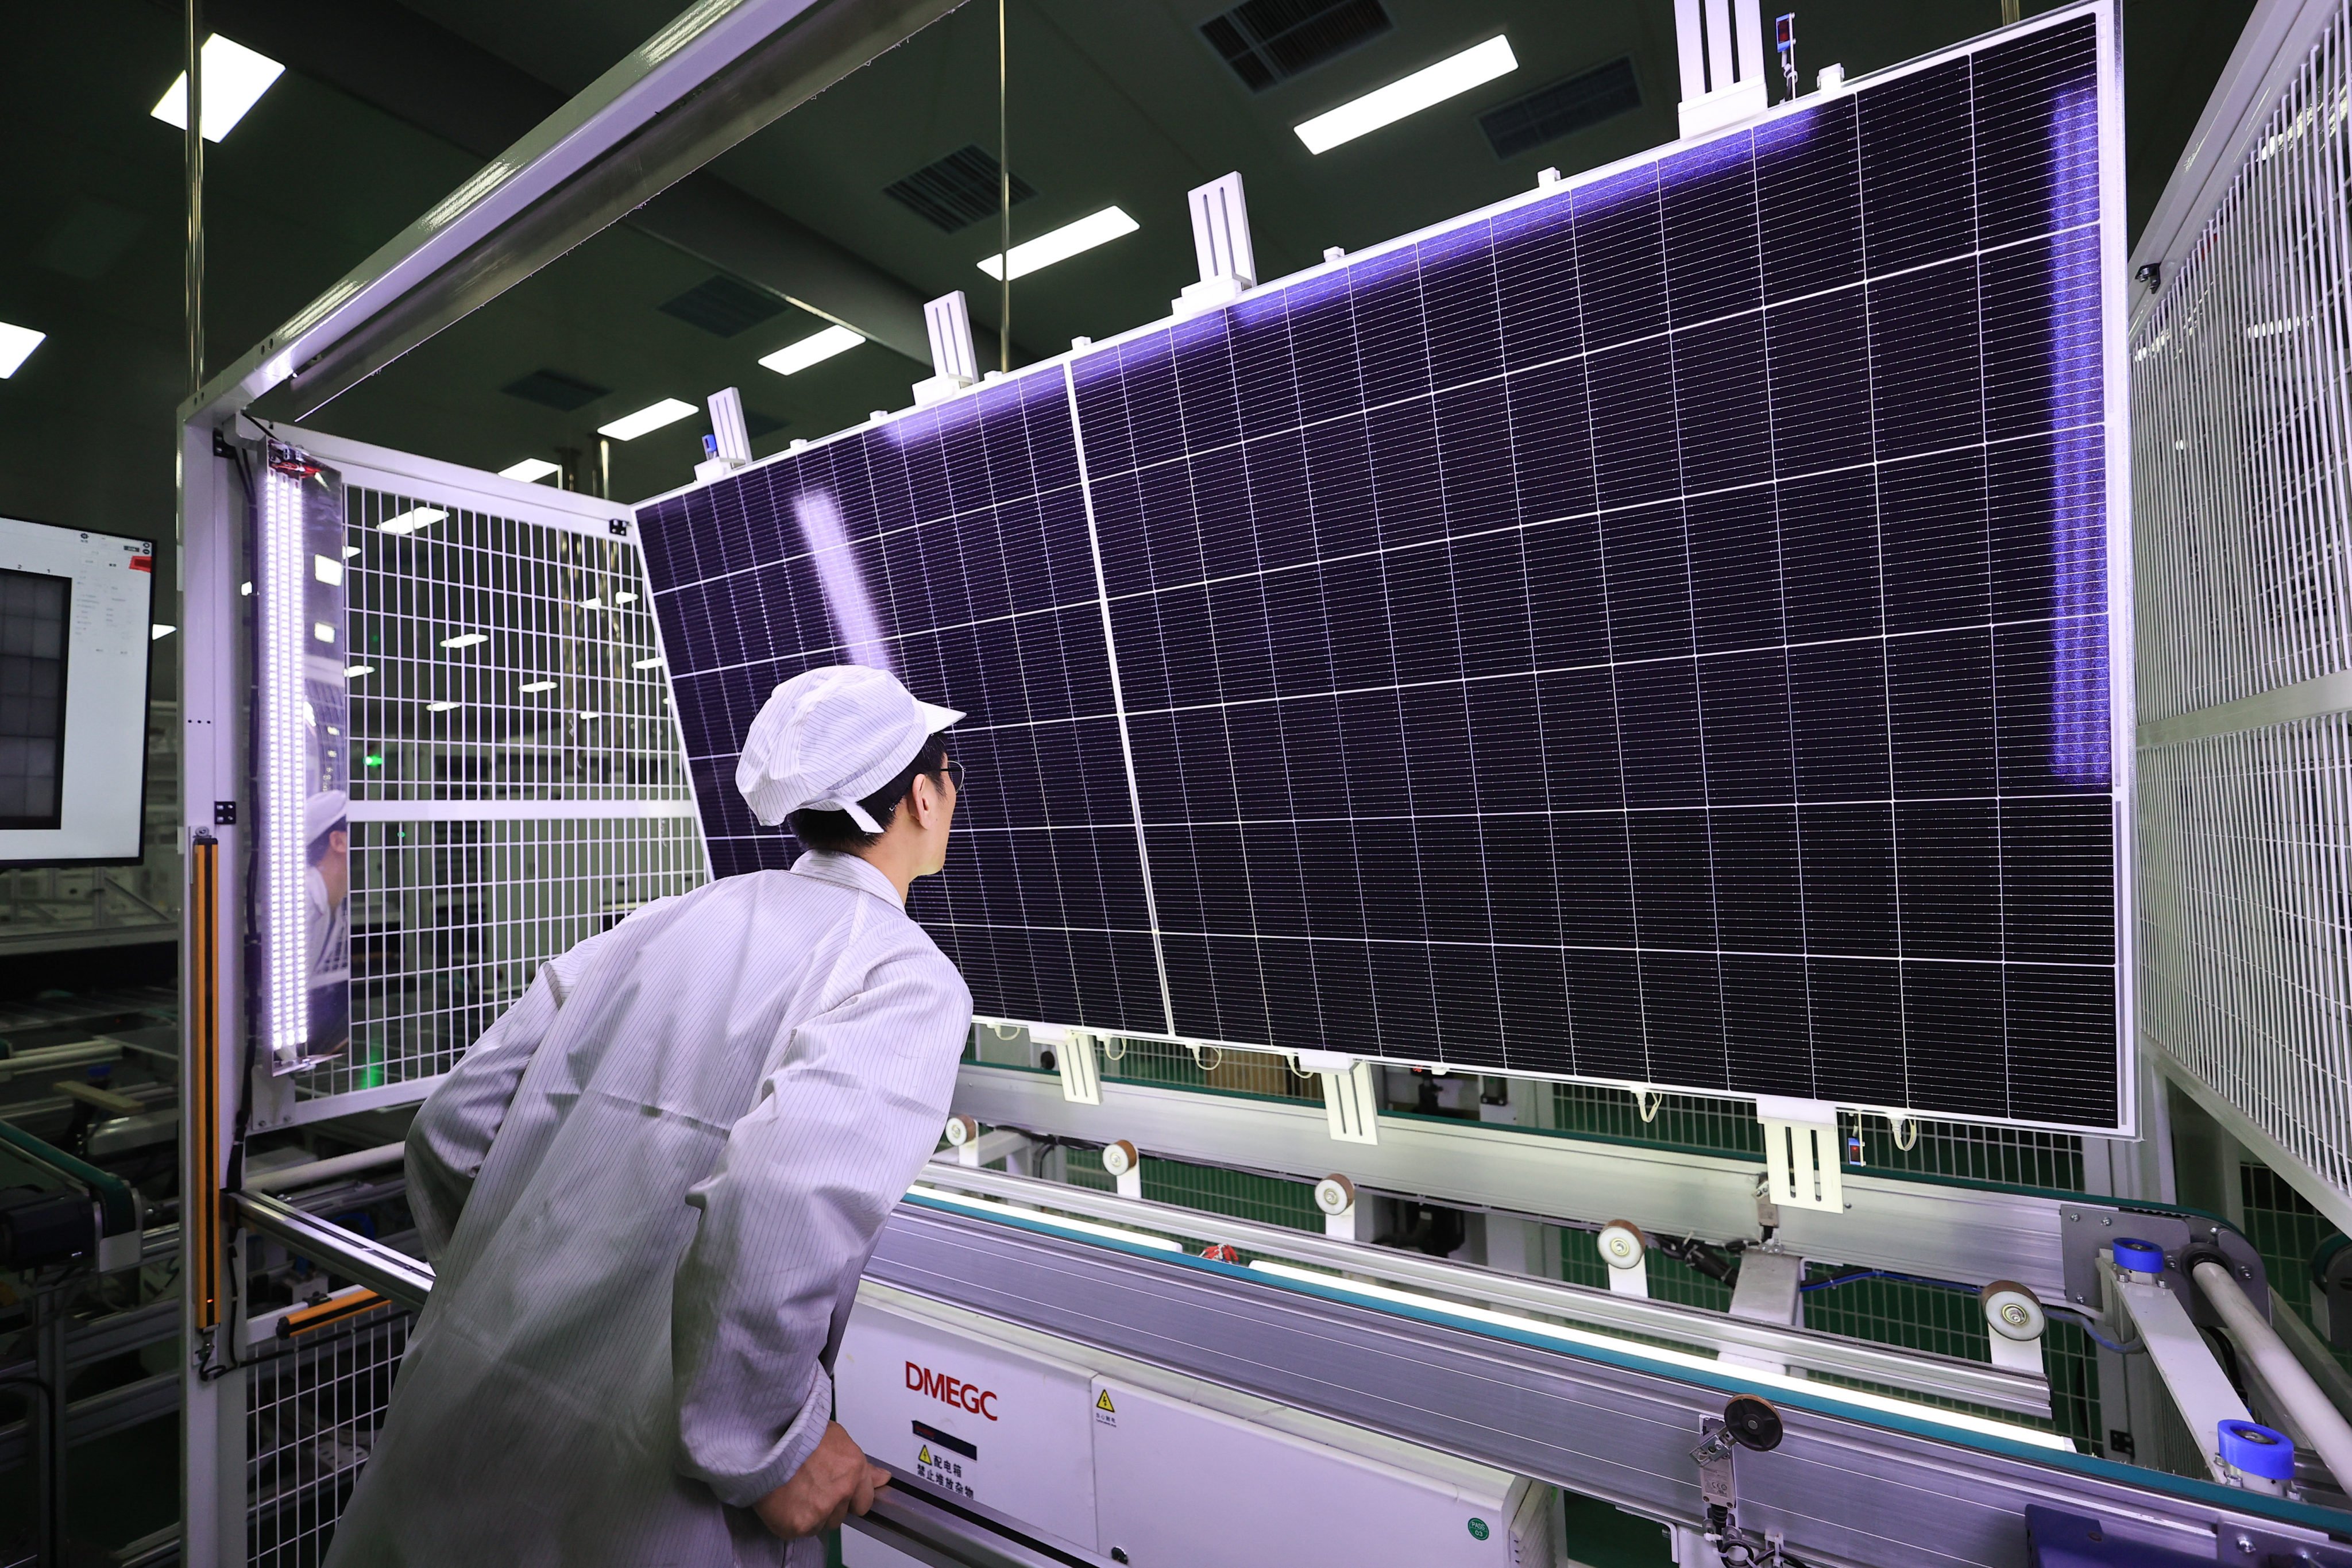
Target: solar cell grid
1655,632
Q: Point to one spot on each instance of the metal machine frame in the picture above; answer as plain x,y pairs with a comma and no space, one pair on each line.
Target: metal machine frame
1619,1427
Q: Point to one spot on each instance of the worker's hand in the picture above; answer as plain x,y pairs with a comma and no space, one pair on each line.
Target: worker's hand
834,1482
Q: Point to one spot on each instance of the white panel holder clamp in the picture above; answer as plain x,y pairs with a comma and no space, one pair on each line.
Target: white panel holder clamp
1801,1152
1074,1058
955,364
730,439
1351,1094
1720,46
1221,243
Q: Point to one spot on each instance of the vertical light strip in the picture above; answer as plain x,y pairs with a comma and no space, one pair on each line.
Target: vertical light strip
1118,696
281,774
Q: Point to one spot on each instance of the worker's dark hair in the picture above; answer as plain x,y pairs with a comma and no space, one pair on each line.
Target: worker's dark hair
836,831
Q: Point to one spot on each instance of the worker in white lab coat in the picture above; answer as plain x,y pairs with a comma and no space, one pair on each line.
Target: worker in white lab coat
649,1190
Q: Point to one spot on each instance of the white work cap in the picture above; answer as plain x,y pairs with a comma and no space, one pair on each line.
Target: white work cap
829,738
325,812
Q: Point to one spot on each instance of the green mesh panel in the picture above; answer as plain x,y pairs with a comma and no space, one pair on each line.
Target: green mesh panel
2286,1231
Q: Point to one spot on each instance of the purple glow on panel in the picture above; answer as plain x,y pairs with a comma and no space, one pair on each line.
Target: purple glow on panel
846,598
2080,746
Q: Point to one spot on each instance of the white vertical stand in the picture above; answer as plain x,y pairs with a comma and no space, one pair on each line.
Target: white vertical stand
955,364
1221,243
1350,1095
1081,1075
1801,1152
1720,46
726,424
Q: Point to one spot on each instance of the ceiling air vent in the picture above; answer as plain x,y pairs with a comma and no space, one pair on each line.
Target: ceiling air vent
1267,41
553,389
722,307
1550,112
958,191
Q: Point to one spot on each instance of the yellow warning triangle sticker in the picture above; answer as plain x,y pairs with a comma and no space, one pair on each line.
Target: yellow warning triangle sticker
924,1457
1102,1403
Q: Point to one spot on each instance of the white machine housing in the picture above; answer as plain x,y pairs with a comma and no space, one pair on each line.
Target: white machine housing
1120,1462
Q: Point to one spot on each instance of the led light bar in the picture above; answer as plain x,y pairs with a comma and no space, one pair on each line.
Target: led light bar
651,417
16,344
1061,244
815,349
235,79
1448,78
283,782
530,470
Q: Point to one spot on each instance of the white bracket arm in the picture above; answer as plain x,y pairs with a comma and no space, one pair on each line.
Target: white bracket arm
1221,243
2183,1360
1719,45
955,364
1801,1152
1074,1058
1350,1095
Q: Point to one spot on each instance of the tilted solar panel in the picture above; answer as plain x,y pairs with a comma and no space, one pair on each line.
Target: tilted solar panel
1651,631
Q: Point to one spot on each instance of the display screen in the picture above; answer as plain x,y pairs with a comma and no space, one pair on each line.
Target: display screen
33,611
74,633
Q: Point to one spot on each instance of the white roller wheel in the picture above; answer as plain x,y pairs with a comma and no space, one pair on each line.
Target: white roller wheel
2013,1312
1335,1195
1621,1243
1118,1158
961,1129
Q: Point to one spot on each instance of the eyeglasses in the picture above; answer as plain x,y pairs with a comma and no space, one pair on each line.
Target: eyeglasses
954,769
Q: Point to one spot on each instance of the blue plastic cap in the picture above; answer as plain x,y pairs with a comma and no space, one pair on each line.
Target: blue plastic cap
2142,1257
2256,1450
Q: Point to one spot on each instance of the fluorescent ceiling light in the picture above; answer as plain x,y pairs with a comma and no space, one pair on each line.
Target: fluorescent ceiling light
412,519
349,551
592,603
625,597
629,427
1067,241
815,349
591,713
1385,105
464,639
353,672
15,344
159,631
538,686
653,663
235,79
438,707
530,470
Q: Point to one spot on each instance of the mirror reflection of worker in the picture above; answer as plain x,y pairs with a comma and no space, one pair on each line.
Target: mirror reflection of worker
327,912
649,1191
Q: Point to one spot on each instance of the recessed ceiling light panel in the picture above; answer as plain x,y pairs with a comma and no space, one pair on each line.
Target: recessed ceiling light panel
815,349
1449,78
1096,229
652,417
530,470
15,343
235,79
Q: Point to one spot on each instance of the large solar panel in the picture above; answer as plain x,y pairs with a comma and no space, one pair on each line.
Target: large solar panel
1652,631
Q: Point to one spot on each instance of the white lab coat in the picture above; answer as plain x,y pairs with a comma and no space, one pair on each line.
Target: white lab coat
648,1193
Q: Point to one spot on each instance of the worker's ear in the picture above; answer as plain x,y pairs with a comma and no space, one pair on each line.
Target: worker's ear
925,800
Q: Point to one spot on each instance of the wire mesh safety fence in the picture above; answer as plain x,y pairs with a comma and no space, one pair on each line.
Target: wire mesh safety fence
2242,435
312,1412
516,779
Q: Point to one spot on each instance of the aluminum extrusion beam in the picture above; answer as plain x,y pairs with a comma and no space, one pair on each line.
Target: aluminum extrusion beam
1840,1490
714,76
1935,1229
395,1275
416,71
1944,1377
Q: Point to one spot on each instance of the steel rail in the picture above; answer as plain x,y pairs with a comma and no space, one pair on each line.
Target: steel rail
402,1278
1941,1377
